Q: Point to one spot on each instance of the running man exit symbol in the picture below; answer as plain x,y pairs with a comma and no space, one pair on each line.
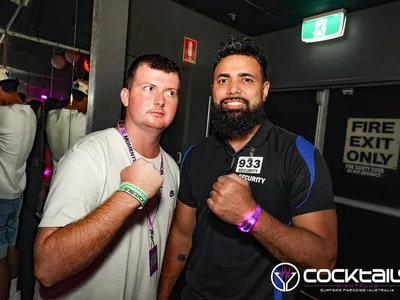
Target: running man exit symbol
320,27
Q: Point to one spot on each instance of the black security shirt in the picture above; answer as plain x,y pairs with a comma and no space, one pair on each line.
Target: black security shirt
288,177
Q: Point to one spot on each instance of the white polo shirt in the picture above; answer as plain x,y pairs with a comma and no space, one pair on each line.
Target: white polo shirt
64,127
84,179
17,134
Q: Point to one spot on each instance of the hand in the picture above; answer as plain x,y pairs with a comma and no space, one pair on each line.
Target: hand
144,175
231,199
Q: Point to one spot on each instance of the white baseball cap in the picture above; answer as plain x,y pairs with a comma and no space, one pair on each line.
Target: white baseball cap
4,74
82,86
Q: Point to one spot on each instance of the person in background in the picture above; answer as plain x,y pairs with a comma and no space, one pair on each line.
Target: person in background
38,173
17,134
66,126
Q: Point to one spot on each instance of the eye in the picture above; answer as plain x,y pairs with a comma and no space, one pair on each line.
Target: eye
170,93
247,80
223,81
148,88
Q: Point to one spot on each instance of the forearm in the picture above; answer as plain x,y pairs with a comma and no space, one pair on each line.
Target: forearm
177,251
71,249
292,244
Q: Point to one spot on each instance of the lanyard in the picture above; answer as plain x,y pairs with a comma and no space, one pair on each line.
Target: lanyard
150,222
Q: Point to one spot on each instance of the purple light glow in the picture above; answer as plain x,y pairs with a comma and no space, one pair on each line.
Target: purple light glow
47,172
43,97
249,223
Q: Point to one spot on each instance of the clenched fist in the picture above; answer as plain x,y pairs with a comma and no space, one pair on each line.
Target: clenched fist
231,199
144,175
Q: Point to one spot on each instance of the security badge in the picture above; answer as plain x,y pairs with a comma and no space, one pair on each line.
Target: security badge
249,164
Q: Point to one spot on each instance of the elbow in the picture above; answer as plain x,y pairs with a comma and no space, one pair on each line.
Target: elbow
44,261
332,260
322,264
325,261
328,255
332,257
330,264
329,261
43,268
42,275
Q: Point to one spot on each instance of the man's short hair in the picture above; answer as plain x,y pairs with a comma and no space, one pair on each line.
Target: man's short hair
153,61
242,45
10,85
78,95
22,96
7,83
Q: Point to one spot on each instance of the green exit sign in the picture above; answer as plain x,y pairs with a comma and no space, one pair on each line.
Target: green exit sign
324,27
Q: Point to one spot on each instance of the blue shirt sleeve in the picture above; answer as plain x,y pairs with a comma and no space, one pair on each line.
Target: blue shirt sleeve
185,192
310,184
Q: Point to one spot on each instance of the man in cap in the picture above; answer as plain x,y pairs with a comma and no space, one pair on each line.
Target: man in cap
65,126
17,134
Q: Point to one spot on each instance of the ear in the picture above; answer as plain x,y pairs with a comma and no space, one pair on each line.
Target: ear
265,90
125,96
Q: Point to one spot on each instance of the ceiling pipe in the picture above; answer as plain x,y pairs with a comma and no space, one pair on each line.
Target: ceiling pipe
14,16
42,41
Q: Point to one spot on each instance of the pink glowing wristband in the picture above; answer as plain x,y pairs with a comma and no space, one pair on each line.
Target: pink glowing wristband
248,225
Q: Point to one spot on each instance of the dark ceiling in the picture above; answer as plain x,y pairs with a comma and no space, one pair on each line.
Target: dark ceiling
52,20
255,17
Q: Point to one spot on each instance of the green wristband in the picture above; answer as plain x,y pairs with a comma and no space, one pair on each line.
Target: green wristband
135,192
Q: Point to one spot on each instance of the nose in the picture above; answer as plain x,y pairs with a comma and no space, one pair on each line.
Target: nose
159,100
234,88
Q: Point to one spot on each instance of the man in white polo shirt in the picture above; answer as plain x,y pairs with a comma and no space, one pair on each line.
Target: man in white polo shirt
95,241
17,134
66,126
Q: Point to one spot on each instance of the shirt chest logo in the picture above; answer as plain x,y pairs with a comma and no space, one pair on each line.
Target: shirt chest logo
249,164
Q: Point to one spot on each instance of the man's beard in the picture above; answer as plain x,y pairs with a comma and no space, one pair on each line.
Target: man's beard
238,122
